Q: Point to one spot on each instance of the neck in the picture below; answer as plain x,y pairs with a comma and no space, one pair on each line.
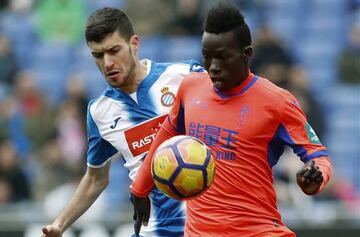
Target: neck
136,76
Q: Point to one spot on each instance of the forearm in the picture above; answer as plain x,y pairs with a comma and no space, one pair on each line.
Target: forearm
143,182
89,189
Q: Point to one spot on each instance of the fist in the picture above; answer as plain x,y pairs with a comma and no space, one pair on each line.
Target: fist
51,231
309,178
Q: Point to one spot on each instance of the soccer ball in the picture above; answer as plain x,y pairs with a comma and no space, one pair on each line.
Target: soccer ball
183,167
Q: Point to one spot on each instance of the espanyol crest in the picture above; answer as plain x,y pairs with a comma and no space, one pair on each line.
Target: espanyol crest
167,98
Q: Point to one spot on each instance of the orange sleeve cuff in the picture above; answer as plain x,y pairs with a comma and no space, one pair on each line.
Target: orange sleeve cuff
144,182
325,167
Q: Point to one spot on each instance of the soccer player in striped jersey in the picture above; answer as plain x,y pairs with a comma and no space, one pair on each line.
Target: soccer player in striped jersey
123,120
246,121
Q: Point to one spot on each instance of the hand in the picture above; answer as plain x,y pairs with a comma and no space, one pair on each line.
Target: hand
141,212
309,178
51,231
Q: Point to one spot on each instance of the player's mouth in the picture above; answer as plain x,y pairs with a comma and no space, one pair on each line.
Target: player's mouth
113,74
218,82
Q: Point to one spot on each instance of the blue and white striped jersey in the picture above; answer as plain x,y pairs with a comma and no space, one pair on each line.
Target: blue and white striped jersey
119,123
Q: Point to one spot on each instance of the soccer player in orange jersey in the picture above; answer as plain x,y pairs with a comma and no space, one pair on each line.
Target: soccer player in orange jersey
246,121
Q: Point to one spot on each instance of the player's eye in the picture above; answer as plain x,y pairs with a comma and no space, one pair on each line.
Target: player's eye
223,56
114,50
205,56
97,55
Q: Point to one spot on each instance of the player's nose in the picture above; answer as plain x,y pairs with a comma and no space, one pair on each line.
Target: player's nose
108,61
214,69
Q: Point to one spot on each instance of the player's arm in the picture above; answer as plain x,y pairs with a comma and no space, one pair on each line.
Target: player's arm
298,134
143,183
91,186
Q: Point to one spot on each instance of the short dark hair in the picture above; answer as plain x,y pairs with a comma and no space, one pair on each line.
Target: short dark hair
105,21
226,17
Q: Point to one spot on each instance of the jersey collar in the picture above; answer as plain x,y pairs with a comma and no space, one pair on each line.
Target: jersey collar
240,89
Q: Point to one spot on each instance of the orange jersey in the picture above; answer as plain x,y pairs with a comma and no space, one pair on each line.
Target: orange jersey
247,129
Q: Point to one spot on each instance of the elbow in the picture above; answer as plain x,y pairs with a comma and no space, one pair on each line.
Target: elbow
97,179
105,183
102,182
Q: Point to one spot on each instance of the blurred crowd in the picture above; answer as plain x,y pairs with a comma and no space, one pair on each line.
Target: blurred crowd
43,140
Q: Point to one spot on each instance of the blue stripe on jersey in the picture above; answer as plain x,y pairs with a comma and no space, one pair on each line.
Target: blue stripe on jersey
284,138
224,96
281,138
275,148
162,208
180,122
118,95
144,98
195,66
97,154
314,155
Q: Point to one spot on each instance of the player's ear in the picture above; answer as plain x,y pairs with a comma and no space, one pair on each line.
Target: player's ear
247,52
134,43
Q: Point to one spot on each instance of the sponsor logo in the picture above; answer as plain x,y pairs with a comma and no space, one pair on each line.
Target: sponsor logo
225,155
140,137
168,98
312,135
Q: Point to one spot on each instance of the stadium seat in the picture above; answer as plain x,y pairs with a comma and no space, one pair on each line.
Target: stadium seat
94,81
34,230
181,48
21,32
92,5
152,47
94,230
51,55
83,59
51,83
343,135
124,230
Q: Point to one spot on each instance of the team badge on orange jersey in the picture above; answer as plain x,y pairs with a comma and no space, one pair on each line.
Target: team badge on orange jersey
243,115
167,98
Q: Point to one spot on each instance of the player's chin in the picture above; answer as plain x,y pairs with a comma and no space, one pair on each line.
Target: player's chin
220,86
116,83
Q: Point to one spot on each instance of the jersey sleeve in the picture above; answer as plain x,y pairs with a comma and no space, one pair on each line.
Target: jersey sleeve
195,66
325,167
99,150
297,133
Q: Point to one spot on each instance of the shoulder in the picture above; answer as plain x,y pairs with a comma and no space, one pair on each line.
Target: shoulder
280,99
268,88
102,102
196,79
184,66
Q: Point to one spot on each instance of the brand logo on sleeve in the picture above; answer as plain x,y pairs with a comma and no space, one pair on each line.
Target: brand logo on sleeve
115,123
140,137
168,98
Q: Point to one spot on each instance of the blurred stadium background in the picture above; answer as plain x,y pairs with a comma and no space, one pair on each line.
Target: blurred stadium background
47,76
